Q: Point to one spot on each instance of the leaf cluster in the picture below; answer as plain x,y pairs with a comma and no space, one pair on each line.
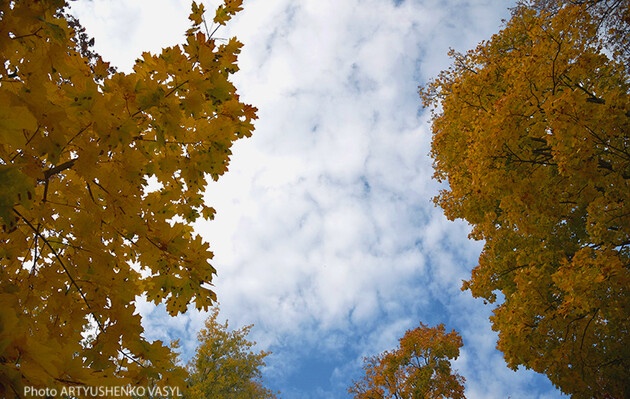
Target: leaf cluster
530,130
101,175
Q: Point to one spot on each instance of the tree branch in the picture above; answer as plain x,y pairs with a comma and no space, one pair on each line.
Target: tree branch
59,168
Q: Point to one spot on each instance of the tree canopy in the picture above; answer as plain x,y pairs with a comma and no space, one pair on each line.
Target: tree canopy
530,130
224,366
420,368
101,175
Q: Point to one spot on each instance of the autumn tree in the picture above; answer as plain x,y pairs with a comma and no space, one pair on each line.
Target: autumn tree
225,366
530,130
101,175
420,368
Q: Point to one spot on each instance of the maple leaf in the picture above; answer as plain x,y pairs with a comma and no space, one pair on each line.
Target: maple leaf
225,11
196,16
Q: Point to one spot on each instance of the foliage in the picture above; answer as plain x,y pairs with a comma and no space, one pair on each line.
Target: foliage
224,365
419,368
101,174
611,17
530,130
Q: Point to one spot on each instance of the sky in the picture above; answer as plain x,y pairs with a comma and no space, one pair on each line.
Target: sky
326,238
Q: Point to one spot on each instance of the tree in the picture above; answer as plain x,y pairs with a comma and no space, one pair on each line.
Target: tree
101,175
530,130
224,365
419,368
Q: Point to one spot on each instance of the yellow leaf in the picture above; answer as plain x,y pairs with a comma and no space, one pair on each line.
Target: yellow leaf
16,122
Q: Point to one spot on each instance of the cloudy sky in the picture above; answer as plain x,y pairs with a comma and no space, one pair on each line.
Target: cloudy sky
326,238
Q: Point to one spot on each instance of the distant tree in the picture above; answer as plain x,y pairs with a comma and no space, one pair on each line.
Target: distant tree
101,175
531,132
224,366
420,368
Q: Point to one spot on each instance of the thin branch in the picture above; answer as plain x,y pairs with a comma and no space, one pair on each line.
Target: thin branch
78,133
27,142
205,25
174,89
27,35
511,269
37,254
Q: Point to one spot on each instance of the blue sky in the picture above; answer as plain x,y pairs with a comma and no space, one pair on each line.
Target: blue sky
326,238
